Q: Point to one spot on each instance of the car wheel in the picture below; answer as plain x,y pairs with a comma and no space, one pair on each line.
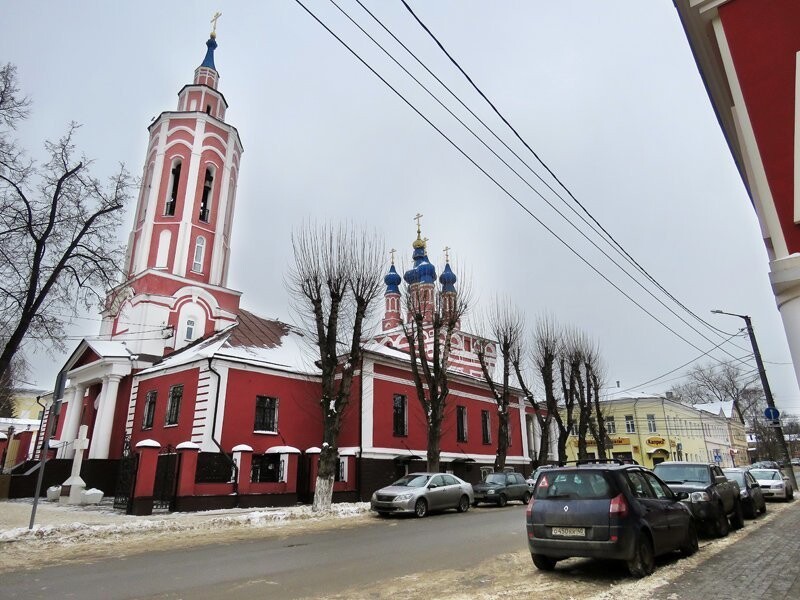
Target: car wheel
750,509
502,500
526,498
544,563
737,520
764,507
421,508
721,525
691,545
463,504
644,561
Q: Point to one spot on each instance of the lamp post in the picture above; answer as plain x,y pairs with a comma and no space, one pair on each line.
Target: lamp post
767,391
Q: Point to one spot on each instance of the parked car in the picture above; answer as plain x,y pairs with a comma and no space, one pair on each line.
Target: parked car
773,483
605,510
499,488
796,462
713,498
531,481
750,493
765,464
420,493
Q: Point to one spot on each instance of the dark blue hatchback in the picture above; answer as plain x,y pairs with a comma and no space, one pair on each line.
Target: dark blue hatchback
607,510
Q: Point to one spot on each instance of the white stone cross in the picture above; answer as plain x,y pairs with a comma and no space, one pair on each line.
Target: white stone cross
71,489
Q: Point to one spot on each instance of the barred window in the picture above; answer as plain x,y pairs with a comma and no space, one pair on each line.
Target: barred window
149,410
400,415
174,404
267,468
461,423
266,414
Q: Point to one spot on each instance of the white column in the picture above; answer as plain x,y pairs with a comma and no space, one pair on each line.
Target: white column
101,435
73,418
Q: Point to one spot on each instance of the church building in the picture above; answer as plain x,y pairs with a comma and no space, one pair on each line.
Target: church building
225,403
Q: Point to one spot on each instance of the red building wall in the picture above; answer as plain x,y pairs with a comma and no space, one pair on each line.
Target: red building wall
166,434
764,38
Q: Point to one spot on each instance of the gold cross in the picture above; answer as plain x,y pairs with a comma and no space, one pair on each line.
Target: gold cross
392,251
446,255
417,218
216,16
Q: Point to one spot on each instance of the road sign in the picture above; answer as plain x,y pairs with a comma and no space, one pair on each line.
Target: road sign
772,413
718,458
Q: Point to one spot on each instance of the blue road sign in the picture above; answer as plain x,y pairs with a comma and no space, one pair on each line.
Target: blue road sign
772,413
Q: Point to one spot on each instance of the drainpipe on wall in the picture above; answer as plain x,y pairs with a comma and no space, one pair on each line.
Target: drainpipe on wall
638,429
360,433
666,423
213,432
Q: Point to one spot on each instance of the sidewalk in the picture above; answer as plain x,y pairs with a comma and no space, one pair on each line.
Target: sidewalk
764,564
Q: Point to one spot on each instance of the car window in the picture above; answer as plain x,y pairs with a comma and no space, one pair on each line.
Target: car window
658,489
574,485
638,485
499,478
516,478
749,478
450,480
414,481
438,480
678,473
737,476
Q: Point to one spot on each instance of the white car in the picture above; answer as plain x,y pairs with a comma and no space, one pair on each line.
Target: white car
773,484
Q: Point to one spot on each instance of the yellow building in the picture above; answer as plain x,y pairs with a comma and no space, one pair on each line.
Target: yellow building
651,429
25,405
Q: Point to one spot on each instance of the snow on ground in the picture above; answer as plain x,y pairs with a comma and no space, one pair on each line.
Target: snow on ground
55,522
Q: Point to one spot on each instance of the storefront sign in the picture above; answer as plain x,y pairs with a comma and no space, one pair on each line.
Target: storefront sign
656,440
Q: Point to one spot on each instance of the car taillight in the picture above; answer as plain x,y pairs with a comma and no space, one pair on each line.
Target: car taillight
618,506
529,510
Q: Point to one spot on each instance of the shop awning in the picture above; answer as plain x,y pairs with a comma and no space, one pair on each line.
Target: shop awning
462,459
406,458
654,450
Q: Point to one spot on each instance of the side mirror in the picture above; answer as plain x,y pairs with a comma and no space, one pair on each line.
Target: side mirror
754,485
720,479
682,496
432,486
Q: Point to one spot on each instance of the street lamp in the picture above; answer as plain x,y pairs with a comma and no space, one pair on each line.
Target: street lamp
767,391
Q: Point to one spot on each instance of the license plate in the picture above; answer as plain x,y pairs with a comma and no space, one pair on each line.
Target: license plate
569,531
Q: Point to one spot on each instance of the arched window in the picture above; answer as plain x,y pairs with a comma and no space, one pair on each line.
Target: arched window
172,199
205,202
199,251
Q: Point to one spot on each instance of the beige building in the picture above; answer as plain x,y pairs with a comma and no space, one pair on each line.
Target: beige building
651,429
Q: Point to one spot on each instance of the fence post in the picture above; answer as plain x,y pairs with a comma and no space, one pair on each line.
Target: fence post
145,477
187,470
243,457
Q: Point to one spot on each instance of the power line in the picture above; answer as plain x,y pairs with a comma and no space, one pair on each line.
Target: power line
495,181
513,170
609,237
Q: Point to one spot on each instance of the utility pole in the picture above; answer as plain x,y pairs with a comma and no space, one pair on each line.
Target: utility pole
767,392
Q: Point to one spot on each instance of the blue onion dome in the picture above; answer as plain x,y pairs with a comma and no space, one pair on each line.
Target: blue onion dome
211,44
392,280
427,272
411,276
448,279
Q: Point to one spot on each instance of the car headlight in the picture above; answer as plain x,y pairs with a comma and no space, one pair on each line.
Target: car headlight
699,497
490,492
403,497
779,486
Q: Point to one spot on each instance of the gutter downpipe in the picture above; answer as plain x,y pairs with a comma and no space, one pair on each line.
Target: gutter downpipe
214,429
638,430
666,423
360,432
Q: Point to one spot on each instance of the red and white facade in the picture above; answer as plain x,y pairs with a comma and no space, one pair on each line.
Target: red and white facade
748,53
179,364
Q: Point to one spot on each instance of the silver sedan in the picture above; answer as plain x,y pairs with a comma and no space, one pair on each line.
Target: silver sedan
420,493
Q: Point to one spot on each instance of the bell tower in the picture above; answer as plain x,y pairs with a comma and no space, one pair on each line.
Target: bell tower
176,267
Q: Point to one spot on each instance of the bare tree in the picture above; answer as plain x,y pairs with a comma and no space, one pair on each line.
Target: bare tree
546,346
333,284
505,328
58,223
432,315
720,383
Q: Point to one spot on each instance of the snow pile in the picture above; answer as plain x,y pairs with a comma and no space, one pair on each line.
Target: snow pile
178,522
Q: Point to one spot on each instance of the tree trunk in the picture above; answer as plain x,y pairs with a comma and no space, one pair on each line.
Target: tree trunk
434,447
563,436
502,440
323,493
544,442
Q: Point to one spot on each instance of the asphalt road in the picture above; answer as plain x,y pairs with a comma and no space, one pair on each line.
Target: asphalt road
304,565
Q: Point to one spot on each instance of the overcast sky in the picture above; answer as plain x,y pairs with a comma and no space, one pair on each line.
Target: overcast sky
607,94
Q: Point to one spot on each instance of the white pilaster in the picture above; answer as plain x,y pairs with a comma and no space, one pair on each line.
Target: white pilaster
101,436
73,419
182,247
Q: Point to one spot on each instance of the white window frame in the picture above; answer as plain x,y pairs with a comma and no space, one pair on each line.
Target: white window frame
199,249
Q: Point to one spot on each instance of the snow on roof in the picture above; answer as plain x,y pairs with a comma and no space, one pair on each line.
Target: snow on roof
108,349
724,406
252,339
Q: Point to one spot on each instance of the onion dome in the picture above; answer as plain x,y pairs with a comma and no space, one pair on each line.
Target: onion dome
427,272
448,279
211,44
392,280
411,276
